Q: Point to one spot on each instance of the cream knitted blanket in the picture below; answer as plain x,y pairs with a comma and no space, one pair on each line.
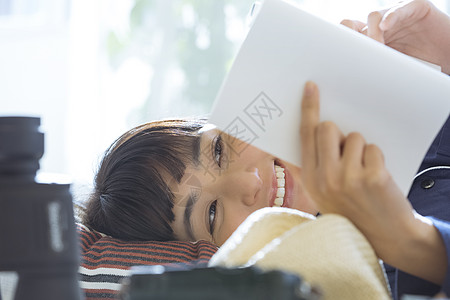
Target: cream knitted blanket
328,252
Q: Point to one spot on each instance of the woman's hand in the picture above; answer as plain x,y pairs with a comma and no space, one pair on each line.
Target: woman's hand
347,176
416,28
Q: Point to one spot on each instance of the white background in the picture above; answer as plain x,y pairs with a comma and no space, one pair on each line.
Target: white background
53,64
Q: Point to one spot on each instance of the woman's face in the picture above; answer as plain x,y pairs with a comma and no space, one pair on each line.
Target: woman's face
231,180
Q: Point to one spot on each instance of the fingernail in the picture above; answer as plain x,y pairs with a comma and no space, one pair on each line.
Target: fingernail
309,89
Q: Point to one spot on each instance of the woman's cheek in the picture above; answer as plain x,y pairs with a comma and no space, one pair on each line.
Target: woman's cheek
302,201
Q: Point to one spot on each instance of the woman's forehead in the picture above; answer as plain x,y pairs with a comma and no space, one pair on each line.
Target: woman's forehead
207,127
208,131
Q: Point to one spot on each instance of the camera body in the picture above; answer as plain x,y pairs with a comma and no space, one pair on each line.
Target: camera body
39,248
248,283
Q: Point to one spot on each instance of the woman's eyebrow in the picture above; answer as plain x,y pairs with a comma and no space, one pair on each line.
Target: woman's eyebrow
193,198
193,195
196,149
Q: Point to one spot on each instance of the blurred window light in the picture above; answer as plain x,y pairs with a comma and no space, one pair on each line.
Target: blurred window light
33,13
97,68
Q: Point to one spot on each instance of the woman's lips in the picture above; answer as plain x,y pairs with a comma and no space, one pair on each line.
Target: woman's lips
288,186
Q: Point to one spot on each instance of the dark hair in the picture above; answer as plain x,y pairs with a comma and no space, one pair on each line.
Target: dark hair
131,200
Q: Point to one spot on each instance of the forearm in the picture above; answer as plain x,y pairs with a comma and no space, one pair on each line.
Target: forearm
420,252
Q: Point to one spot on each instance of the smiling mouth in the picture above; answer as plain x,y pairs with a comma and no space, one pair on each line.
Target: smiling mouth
279,200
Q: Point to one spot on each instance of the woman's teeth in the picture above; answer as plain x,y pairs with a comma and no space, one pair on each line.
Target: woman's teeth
279,200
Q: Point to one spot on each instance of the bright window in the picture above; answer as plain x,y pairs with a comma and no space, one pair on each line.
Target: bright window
93,69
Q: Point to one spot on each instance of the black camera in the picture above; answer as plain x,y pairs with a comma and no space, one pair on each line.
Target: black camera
203,283
39,253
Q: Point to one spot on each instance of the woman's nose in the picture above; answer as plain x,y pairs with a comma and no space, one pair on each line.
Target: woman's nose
246,185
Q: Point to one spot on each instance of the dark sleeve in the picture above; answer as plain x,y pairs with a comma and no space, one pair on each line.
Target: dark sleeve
430,191
439,152
429,196
444,230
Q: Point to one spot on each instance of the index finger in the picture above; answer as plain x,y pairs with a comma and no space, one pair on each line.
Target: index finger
310,117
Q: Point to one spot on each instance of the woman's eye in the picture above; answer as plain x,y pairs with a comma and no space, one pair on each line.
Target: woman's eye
218,150
212,216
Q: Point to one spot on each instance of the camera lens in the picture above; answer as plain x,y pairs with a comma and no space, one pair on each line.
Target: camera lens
22,145
39,249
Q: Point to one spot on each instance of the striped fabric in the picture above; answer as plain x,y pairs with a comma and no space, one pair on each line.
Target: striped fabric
105,261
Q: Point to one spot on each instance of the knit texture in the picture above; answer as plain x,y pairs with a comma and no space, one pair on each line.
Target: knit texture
328,252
